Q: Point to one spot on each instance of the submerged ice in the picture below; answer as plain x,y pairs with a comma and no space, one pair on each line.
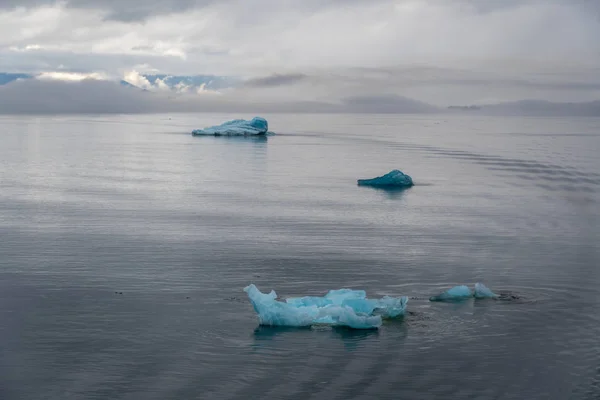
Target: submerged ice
343,307
394,178
236,127
456,293
463,292
483,292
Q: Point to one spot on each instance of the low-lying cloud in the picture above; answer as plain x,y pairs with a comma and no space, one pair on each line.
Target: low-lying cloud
96,96
51,96
276,80
329,53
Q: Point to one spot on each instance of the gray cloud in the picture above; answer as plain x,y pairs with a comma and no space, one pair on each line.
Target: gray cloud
93,97
386,104
89,96
276,80
10,4
119,10
139,10
437,51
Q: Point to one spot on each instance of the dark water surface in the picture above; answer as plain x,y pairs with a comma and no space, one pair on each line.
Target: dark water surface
125,244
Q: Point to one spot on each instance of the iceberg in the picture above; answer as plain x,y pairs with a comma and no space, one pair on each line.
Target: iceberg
346,316
343,307
483,292
333,297
340,295
308,301
276,313
362,306
387,307
391,307
462,292
236,127
393,179
457,293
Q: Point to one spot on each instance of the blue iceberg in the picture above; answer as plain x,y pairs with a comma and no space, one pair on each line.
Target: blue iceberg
343,307
340,295
483,292
393,179
386,307
236,127
276,313
346,316
462,292
457,293
333,297
308,301
391,307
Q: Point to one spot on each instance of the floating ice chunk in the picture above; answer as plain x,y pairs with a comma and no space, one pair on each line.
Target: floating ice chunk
346,316
483,292
276,313
343,307
362,306
387,307
335,297
395,178
338,296
308,301
236,127
455,294
391,307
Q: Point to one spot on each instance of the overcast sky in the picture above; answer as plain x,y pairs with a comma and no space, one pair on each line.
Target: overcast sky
437,51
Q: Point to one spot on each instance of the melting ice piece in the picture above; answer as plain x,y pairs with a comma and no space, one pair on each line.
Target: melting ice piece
391,307
308,301
387,307
455,294
346,316
237,127
395,178
335,297
276,313
338,296
343,307
483,292
361,306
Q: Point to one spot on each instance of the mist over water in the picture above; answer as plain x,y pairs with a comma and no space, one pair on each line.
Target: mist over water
125,244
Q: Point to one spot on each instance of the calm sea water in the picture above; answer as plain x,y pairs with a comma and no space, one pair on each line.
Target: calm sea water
125,244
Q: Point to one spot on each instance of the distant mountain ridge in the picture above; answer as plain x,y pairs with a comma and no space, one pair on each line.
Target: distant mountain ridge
6,78
532,107
366,103
184,83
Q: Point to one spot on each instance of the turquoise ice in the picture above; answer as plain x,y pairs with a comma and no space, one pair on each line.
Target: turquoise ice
276,313
346,316
333,297
455,294
236,127
343,307
483,292
462,292
308,301
395,179
391,307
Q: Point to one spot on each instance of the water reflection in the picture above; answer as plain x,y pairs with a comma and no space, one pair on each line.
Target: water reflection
390,192
247,139
353,339
262,333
